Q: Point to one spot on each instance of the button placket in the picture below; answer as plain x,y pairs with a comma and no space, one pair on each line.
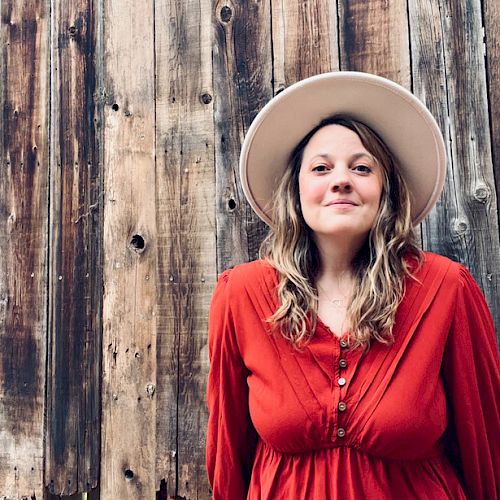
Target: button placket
341,432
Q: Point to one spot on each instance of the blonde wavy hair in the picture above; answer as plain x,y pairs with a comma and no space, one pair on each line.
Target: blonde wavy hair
389,254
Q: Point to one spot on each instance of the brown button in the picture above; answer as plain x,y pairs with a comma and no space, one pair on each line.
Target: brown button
341,381
342,406
340,432
343,343
343,363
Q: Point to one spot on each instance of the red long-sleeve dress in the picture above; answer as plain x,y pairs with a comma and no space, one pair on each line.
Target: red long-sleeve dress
418,419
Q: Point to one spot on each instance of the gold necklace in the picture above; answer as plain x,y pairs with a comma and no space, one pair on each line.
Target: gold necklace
339,303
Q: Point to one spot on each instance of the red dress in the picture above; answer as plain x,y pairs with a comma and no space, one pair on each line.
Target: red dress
418,419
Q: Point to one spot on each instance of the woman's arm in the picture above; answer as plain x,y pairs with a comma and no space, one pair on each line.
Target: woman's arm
231,437
472,380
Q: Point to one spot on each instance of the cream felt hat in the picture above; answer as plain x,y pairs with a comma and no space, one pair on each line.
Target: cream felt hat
395,114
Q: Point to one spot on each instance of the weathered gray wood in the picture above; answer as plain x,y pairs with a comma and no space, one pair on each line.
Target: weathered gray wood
128,442
243,84
185,207
450,75
491,23
24,41
75,273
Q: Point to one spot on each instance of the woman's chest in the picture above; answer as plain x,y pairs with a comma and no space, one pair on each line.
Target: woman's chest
389,402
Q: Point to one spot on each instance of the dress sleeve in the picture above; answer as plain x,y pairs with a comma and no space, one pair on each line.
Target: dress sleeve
231,437
472,380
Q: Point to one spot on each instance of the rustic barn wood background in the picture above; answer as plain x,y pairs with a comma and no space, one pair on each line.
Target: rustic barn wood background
120,203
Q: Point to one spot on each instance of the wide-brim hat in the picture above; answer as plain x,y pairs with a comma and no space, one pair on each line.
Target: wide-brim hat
400,119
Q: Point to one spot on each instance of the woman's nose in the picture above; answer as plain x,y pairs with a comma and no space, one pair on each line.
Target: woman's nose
340,180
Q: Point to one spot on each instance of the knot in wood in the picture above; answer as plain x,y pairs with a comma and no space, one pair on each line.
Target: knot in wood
460,226
226,14
72,31
482,193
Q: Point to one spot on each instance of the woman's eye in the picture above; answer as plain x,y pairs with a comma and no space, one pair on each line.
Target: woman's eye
363,168
320,168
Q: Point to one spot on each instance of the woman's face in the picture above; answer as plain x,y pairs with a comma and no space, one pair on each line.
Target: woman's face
340,184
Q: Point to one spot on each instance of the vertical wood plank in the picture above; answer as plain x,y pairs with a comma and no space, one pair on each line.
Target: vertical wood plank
75,278
129,306
24,39
374,38
449,65
305,40
186,240
243,74
491,24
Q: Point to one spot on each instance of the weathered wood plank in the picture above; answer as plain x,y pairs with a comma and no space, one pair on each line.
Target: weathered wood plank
128,443
75,277
451,78
243,84
374,38
491,23
24,156
305,40
186,240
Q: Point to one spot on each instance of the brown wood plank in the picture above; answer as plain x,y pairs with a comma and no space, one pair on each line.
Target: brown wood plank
450,76
305,41
75,278
186,240
24,156
128,443
242,84
373,37
491,23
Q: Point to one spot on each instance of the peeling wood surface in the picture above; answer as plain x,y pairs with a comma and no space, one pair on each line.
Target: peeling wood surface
24,38
185,208
128,443
75,276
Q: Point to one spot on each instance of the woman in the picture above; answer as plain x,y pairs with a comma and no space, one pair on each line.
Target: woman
348,364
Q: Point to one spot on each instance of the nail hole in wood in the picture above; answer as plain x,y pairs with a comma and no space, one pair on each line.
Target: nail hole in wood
206,98
226,13
129,474
72,31
137,243
115,107
231,204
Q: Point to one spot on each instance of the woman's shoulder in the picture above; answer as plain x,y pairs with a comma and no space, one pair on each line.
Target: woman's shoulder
455,273
249,274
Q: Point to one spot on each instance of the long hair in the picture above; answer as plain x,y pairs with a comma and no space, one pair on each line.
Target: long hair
389,253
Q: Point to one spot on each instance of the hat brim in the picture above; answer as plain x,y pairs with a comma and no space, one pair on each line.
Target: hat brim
395,114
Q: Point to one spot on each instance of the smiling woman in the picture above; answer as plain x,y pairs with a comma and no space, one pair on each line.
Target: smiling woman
340,361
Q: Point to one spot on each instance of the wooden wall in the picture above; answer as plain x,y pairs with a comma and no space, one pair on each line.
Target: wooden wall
120,203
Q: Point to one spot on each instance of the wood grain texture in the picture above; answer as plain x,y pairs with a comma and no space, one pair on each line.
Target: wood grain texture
304,38
24,39
491,23
373,37
186,240
242,76
450,76
128,442
75,277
